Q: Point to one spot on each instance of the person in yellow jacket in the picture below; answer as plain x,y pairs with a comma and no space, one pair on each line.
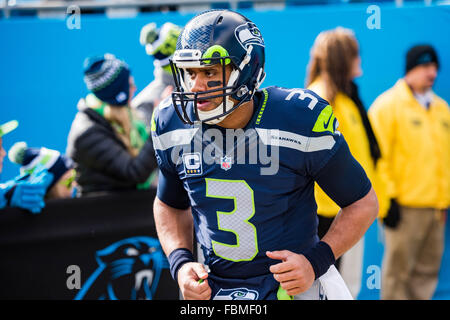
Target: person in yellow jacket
334,64
412,125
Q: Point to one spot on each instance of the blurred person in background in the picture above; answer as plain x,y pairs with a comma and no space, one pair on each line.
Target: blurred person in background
107,140
26,191
334,64
412,125
160,45
61,166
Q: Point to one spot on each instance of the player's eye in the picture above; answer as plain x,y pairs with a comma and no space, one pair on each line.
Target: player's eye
190,73
210,73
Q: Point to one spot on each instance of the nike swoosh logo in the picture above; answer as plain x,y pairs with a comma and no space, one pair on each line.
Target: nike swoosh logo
326,124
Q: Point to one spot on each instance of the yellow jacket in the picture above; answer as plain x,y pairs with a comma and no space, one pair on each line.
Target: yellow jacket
415,147
352,128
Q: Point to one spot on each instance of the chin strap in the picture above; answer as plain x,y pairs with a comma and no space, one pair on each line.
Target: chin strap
215,112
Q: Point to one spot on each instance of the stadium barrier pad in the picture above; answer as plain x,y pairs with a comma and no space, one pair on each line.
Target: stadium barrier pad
100,247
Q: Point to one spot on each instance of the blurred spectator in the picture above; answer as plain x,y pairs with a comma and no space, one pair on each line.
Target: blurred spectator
412,125
107,140
61,166
334,64
26,191
160,45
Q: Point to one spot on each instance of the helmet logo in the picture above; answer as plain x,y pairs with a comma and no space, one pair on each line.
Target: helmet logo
249,34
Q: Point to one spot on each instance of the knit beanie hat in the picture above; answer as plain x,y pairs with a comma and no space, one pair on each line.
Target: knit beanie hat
108,79
160,43
30,158
420,54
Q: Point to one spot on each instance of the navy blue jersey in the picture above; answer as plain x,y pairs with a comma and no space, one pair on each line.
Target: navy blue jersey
252,190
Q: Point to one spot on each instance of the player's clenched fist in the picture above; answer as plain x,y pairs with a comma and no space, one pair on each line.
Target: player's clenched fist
191,287
295,273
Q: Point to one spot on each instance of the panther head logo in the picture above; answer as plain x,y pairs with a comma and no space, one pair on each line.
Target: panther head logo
129,269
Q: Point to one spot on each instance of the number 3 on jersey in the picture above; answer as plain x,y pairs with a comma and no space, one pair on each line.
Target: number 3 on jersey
236,221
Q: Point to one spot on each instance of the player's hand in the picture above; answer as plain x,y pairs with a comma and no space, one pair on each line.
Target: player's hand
295,273
191,287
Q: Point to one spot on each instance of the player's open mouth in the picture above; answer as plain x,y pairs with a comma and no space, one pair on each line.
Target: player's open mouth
203,104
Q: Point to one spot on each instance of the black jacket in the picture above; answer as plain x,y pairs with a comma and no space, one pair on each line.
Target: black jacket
102,160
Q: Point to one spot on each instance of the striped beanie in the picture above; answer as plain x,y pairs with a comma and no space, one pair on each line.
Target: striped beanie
108,79
30,158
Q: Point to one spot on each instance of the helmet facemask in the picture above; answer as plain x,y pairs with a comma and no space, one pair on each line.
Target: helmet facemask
224,38
182,95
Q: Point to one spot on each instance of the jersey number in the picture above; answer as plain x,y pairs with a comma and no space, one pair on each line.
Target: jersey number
236,221
302,95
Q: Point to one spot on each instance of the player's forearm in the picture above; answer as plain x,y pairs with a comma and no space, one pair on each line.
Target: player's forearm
351,223
174,227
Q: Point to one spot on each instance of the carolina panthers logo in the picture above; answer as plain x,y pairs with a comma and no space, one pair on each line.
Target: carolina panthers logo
129,269
236,294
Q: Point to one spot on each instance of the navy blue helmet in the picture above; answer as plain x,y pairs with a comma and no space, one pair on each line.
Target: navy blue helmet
218,37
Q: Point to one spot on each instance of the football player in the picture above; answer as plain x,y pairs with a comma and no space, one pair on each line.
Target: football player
257,229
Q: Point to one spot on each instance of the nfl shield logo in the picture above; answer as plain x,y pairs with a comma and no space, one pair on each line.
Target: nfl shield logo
225,163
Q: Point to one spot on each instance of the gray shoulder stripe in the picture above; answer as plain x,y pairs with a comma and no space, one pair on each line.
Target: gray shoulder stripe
268,137
173,138
295,141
